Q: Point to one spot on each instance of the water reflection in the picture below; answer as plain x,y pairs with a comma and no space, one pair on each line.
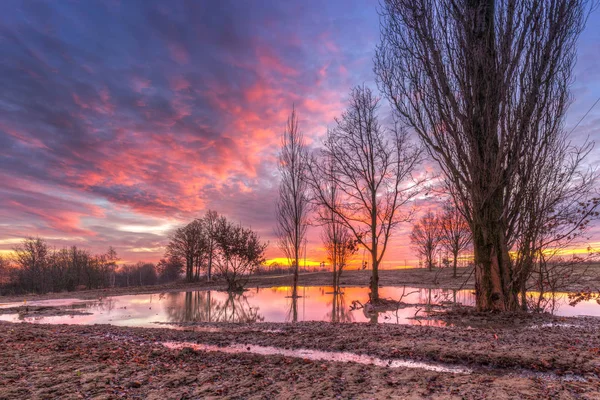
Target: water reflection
340,312
271,305
203,306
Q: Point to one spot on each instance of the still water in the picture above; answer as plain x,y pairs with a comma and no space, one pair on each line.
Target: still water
265,305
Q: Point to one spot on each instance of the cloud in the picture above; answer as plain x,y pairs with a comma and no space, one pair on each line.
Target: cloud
145,113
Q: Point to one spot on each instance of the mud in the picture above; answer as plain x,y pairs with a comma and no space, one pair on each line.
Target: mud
102,361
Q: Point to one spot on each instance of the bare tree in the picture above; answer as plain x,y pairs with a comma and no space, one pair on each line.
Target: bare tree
210,226
426,236
561,200
293,203
485,84
340,245
32,258
189,244
339,242
239,253
455,233
5,272
169,269
372,167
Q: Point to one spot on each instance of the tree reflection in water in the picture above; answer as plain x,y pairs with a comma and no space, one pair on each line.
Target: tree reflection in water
204,306
292,314
339,311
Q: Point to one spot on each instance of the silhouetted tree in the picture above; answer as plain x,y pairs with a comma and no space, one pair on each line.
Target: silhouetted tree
239,253
339,242
372,168
31,257
426,236
293,202
169,269
210,224
455,233
485,84
189,244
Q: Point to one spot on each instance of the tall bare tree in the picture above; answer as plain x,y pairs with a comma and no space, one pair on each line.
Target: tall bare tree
426,236
210,227
293,203
372,167
455,233
485,84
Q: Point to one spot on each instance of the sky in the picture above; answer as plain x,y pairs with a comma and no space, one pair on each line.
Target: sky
122,120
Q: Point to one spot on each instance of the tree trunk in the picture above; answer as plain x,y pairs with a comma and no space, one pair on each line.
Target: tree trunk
295,284
492,267
455,255
374,295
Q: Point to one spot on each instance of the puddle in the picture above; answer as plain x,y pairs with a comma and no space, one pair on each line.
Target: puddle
182,310
316,355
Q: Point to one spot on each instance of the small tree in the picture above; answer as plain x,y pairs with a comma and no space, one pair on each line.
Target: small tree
456,233
239,253
426,236
340,245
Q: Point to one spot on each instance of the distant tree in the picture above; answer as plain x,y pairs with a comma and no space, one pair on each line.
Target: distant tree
293,202
32,259
5,273
239,253
169,269
339,242
340,245
107,264
145,274
455,233
372,167
189,244
426,236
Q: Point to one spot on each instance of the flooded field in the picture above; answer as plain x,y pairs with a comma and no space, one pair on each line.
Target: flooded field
258,305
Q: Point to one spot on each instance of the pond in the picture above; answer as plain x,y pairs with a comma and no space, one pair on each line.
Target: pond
264,305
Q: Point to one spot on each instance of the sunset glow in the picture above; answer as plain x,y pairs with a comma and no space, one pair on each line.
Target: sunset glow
120,121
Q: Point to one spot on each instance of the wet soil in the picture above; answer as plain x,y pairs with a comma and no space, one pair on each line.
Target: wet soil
43,311
533,358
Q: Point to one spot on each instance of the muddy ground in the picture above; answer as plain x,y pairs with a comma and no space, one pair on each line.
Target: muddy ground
439,278
526,357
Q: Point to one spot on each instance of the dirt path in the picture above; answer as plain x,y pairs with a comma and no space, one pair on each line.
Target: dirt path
41,361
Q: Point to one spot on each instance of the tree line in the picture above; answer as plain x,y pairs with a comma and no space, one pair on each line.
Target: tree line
36,267
200,248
